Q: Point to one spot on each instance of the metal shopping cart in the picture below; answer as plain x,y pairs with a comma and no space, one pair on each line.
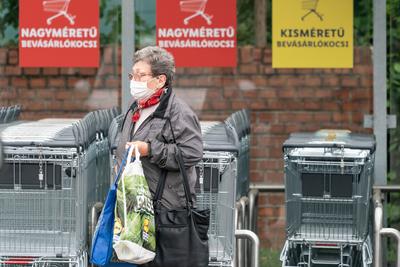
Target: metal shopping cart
9,114
60,7
311,7
53,174
328,179
197,7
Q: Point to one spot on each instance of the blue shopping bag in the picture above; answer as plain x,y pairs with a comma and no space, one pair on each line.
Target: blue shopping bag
102,249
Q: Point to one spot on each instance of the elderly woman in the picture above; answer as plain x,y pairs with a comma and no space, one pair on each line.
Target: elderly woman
146,126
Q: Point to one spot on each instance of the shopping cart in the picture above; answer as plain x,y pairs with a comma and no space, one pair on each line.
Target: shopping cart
328,179
197,7
311,7
9,114
60,7
54,171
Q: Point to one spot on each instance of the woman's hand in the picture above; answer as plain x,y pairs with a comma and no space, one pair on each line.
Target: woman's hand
142,146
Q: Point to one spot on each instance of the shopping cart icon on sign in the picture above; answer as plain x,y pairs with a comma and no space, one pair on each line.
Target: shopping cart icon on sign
60,7
311,7
196,7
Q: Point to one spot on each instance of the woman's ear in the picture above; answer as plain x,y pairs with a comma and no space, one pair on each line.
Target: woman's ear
163,80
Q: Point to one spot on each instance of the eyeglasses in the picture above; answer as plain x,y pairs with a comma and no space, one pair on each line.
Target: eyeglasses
138,76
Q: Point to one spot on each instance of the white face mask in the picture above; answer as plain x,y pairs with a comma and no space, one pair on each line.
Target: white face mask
140,91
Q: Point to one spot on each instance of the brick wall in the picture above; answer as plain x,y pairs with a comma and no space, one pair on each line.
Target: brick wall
281,101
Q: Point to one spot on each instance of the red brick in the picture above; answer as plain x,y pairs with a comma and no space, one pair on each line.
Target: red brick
260,80
330,81
285,71
112,83
257,54
306,92
13,57
266,70
322,117
361,93
64,94
260,152
13,70
69,71
259,104
310,105
260,128
3,56
3,83
313,81
246,54
287,93
250,94
296,81
248,69
106,70
45,93
239,104
108,55
349,81
57,82
291,128
88,71
267,56
19,82
32,71
26,93
366,81
50,71
273,177
37,82
324,93
277,81
220,105
267,93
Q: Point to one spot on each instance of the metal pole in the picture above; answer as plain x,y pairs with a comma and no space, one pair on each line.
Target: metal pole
396,234
128,48
256,244
379,77
377,228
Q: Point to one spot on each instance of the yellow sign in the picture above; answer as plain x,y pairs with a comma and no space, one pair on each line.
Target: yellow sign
312,34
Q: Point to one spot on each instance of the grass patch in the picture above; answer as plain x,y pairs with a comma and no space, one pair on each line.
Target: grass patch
270,257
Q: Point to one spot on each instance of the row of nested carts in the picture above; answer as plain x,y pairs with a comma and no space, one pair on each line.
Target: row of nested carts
56,173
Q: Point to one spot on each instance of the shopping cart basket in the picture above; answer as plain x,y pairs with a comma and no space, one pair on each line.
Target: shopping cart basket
311,7
328,179
197,7
60,7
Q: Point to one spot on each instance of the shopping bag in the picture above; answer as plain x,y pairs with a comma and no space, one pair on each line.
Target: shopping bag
134,229
102,250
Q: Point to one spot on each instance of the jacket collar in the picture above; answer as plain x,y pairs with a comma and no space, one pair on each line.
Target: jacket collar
162,108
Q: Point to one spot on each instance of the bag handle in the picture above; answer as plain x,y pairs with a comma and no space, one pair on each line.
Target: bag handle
137,159
121,167
161,182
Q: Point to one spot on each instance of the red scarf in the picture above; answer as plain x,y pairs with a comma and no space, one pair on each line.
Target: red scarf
153,100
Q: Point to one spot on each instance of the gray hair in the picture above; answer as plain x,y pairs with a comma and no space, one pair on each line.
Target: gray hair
159,59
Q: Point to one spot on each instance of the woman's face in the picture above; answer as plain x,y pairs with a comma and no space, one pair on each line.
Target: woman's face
141,72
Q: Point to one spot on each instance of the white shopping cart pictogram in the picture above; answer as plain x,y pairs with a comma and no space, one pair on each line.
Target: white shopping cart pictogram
311,7
60,7
196,7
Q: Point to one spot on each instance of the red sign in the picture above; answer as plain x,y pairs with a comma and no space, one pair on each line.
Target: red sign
199,33
59,33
